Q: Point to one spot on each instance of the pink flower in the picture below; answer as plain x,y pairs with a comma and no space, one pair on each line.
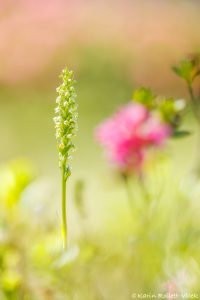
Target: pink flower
171,289
129,133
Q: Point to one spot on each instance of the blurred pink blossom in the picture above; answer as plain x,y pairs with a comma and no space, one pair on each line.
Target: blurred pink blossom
129,133
171,289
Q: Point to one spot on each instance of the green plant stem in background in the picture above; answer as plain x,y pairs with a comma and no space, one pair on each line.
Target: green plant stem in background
189,70
129,193
143,188
190,89
195,103
196,110
64,213
133,200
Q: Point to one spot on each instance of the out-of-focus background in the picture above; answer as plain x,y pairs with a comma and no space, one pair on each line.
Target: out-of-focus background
113,47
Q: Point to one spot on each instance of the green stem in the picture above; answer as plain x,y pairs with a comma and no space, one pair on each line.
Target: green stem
129,194
196,110
64,216
143,189
190,89
195,103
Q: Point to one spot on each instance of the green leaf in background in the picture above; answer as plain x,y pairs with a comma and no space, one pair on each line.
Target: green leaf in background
181,133
168,110
10,280
171,110
144,96
14,178
185,70
188,69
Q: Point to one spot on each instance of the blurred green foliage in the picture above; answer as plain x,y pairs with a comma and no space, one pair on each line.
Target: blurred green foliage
13,180
159,242
170,110
144,96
